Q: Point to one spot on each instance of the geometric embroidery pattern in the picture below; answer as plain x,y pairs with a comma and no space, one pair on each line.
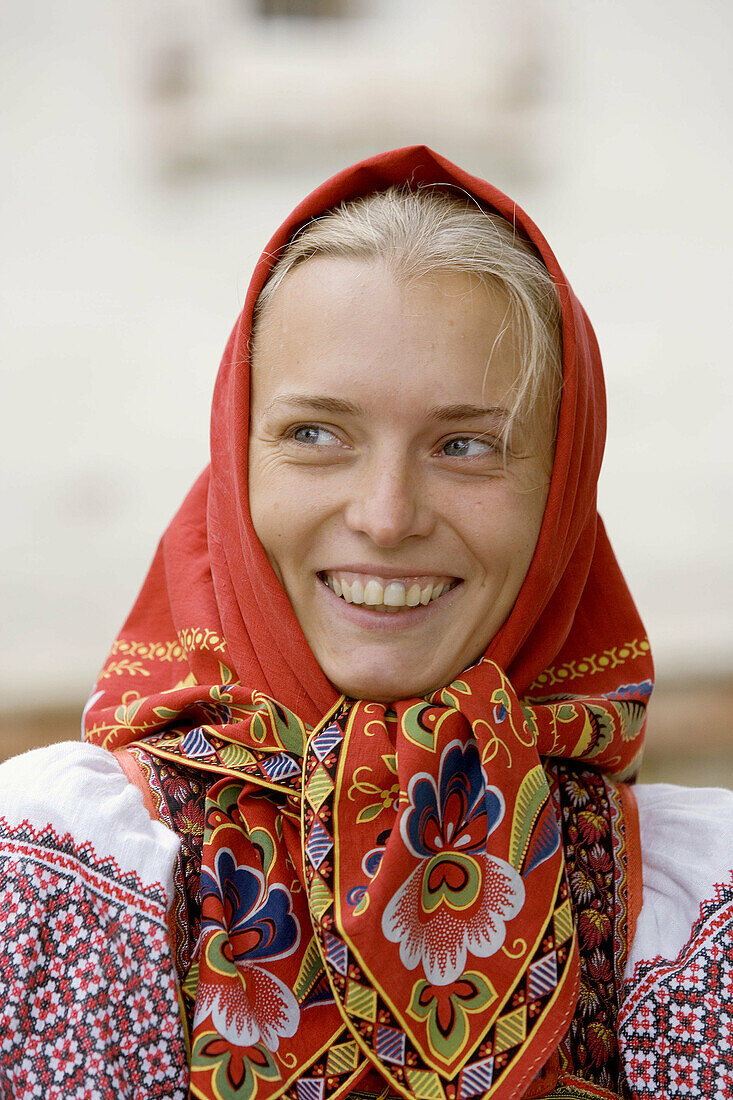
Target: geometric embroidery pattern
510,1030
324,742
563,922
196,746
88,1008
309,1088
476,1079
543,976
342,1057
280,767
336,952
390,1044
425,1085
676,1031
319,788
317,845
361,1001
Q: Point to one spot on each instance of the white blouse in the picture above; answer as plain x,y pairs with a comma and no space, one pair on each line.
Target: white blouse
88,994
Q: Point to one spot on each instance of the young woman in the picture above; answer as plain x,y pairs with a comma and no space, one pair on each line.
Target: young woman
350,817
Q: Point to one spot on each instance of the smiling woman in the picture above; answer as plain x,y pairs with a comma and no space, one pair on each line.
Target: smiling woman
421,334
407,459
351,818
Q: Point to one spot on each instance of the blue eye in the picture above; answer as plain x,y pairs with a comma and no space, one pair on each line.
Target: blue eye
468,447
312,435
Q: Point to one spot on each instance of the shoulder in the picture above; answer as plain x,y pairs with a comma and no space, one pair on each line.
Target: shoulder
675,1019
78,794
686,837
85,888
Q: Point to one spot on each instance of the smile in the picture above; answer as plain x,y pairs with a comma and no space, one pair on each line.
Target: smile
388,594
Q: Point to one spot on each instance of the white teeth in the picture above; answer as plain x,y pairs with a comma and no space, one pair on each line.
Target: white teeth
389,596
373,593
412,596
394,594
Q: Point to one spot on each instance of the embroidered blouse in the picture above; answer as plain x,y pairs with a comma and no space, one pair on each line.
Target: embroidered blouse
90,1004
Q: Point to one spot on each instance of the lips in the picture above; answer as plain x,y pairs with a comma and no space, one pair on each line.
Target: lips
391,594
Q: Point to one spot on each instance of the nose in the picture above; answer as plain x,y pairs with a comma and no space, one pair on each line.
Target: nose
388,503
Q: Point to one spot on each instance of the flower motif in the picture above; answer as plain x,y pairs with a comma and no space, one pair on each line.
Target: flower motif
599,968
588,1001
601,1042
630,702
246,923
445,1010
459,812
576,793
592,826
233,1072
191,819
582,883
594,926
459,897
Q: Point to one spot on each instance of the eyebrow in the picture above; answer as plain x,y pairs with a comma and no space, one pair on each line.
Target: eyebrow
323,403
467,412
316,403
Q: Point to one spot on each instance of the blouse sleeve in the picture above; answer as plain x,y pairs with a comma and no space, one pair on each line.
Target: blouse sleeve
676,1018
88,995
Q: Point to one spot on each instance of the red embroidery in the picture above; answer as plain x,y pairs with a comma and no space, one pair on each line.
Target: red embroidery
676,1022
87,988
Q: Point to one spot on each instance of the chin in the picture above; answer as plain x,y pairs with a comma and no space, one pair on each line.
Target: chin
384,685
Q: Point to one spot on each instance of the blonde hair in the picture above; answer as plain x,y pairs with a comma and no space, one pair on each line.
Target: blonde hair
418,232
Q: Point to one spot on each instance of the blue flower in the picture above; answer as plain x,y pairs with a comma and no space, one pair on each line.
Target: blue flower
244,923
258,920
459,812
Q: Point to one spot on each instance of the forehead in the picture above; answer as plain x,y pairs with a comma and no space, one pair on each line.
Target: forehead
346,318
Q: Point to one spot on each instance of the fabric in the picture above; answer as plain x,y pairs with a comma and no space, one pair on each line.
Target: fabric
678,877
88,998
598,825
676,1021
453,808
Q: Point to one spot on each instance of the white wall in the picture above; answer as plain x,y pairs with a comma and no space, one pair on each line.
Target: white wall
119,286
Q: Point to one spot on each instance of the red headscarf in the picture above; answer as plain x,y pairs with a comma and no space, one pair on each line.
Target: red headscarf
212,667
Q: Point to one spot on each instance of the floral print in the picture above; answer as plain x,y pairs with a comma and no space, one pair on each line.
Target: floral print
445,866
459,897
244,925
595,854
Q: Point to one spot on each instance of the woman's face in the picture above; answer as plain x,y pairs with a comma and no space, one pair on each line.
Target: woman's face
377,483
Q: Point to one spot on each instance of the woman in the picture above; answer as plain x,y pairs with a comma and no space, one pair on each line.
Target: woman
349,818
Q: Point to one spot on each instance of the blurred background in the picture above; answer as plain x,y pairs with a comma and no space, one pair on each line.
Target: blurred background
148,152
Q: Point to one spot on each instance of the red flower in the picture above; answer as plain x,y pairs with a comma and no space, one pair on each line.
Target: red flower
594,927
600,1043
592,825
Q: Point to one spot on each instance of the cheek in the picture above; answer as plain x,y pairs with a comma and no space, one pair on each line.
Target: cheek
285,524
268,510
503,533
